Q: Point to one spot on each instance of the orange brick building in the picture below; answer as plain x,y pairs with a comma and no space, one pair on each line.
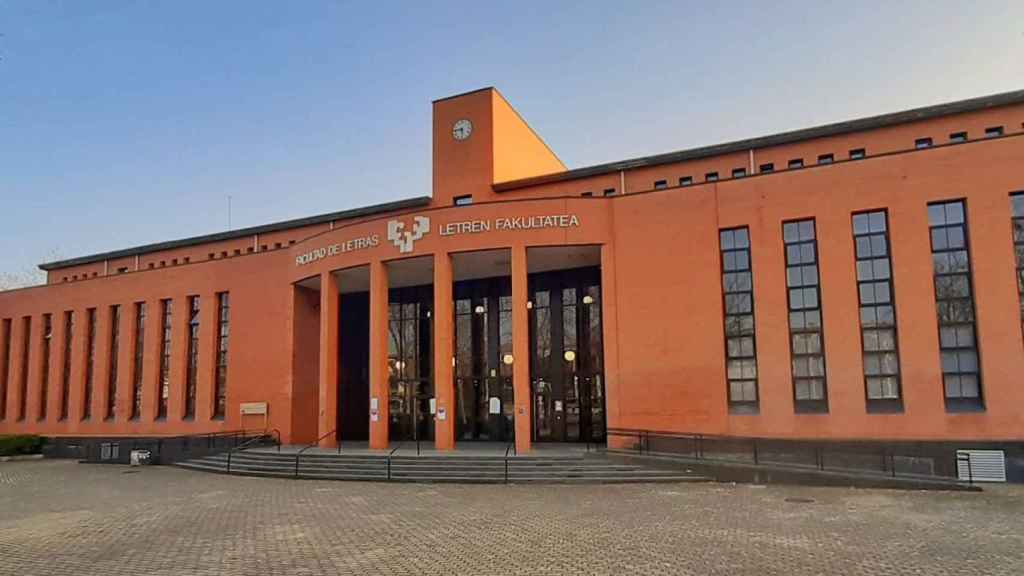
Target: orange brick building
860,280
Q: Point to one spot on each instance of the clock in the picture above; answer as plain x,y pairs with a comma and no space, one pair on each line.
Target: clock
462,129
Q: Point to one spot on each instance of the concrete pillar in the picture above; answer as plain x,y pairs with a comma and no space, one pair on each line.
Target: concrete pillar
328,390
444,383
101,365
521,350
17,368
379,384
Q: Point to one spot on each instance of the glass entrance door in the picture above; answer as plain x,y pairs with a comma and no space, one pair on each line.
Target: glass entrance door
410,363
567,377
483,379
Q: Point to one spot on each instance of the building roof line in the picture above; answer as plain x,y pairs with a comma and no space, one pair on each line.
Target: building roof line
825,130
241,232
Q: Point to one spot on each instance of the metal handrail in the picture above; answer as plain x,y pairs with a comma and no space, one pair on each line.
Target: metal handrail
389,459
276,432
511,445
308,446
243,446
755,447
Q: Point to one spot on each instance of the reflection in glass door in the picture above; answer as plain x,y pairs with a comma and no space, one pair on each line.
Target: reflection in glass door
483,347
410,364
566,366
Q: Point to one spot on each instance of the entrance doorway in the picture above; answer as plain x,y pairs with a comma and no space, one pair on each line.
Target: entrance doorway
567,360
483,354
410,363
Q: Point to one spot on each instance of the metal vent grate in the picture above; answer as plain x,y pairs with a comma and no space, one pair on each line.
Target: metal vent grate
981,465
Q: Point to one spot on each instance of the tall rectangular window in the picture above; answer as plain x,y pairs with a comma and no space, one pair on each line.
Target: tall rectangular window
137,358
221,384
26,338
1017,204
44,365
954,302
5,367
877,311
193,357
65,384
163,392
738,295
90,362
806,330
115,345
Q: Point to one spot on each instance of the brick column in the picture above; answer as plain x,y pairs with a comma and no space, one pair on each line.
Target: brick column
206,371
17,368
521,350
328,388
444,384
379,385
609,337
101,365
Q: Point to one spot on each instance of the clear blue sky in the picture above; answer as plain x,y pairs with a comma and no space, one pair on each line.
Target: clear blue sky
129,122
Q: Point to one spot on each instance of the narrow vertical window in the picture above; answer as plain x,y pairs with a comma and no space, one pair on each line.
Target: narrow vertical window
877,311
115,345
65,385
137,358
193,357
1017,204
221,386
5,367
805,324
26,338
44,365
163,392
90,362
954,302
738,295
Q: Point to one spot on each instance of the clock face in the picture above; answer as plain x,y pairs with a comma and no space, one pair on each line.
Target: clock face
462,129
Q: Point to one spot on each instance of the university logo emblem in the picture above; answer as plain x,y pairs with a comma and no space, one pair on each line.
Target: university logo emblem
403,238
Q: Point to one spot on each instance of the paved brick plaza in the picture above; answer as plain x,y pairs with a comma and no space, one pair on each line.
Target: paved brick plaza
59,517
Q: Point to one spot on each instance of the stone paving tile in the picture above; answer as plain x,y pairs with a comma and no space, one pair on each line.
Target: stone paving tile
63,518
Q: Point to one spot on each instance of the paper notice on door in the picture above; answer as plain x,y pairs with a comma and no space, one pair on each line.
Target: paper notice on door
441,413
373,403
495,405
558,405
433,405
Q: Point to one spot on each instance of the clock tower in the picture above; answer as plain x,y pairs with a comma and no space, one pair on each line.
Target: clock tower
480,140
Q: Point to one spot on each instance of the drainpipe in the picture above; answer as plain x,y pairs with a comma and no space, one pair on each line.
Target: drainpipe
136,262
622,180
106,267
751,171
256,243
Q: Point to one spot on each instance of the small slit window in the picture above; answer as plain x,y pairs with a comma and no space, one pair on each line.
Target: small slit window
686,181
958,137
826,159
993,131
464,200
766,168
739,172
587,194
711,177
923,143
857,153
660,184
609,191
796,163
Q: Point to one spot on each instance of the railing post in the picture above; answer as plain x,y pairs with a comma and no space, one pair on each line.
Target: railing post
389,467
297,464
229,462
892,464
506,467
755,450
